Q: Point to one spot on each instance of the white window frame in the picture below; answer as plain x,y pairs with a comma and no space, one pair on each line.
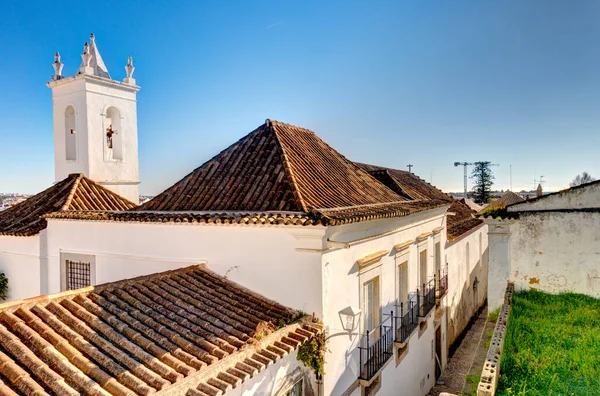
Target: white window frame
402,260
437,259
65,256
422,247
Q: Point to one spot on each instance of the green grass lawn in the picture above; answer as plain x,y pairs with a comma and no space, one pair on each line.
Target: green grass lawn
552,346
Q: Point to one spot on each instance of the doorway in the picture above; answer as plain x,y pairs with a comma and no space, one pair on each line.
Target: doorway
438,352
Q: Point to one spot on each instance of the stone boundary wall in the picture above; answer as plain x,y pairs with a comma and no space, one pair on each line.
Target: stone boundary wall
491,367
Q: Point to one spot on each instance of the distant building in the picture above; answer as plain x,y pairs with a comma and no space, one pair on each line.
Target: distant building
508,198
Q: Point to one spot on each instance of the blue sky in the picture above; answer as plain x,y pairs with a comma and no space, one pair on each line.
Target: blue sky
386,82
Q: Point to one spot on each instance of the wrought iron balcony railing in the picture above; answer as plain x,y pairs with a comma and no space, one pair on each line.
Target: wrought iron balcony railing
427,297
407,318
376,348
442,286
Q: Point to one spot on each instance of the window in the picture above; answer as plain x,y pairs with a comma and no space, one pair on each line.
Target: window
78,271
70,135
438,259
403,282
296,390
371,306
422,268
467,263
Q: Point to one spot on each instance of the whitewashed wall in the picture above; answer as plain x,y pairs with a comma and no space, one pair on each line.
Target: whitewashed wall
264,259
574,198
556,252
463,300
553,246
341,288
20,262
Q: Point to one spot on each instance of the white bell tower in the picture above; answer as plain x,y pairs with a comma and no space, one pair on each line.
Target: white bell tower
95,124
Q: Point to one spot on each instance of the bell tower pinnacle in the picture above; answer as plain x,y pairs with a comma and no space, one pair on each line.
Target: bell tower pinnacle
95,123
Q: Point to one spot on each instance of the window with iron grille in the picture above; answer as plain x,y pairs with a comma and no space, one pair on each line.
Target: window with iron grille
78,271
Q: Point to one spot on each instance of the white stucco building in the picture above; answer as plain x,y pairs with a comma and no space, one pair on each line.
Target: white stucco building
549,243
391,267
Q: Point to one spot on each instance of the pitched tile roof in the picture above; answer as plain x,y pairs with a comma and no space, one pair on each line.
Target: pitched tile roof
162,332
411,186
277,167
508,198
279,174
461,222
405,183
76,192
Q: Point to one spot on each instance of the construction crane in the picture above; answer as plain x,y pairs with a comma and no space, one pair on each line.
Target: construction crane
465,164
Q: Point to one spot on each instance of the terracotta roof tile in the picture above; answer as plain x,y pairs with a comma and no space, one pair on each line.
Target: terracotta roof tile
461,222
508,198
405,183
76,192
280,174
277,167
142,336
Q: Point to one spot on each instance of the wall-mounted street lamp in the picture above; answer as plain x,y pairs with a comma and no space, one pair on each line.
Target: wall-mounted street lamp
350,317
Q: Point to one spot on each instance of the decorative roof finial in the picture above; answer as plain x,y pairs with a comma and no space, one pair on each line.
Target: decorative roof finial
129,70
92,63
57,67
86,58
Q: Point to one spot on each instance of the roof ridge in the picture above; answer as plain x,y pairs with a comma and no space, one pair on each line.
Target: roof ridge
73,191
107,190
287,167
270,122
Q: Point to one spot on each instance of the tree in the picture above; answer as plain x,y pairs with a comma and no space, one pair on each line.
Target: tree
581,179
483,178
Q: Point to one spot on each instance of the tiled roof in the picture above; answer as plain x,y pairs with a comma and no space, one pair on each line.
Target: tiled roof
162,332
508,198
411,186
471,204
405,183
277,167
461,222
322,217
76,192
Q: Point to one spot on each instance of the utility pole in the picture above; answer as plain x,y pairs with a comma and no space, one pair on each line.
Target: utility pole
510,177
410,166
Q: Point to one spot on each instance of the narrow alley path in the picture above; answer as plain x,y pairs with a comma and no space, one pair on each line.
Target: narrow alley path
460,364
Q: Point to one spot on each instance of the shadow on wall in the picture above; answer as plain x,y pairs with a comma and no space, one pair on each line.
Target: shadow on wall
471,299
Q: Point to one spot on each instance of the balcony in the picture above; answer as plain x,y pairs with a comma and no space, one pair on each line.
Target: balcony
442,285
427,298
406,319
376,347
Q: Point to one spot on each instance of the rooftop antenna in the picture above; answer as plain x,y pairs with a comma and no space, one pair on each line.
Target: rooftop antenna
410,166
510,177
